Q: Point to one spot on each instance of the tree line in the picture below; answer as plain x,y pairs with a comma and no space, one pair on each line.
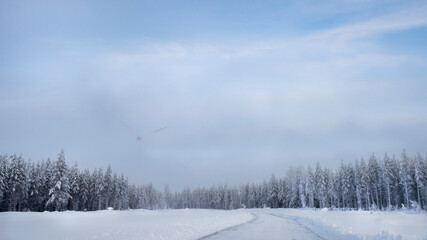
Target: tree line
387,183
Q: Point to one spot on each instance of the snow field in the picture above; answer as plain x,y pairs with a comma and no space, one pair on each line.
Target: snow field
127,225
362,224
196,223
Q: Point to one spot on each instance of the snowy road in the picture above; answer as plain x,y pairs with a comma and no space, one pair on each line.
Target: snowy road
267,226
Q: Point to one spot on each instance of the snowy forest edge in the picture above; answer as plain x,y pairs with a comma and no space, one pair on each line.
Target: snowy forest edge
387,183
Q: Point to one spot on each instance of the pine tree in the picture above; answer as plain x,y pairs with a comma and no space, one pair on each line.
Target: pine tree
395,181
321,185
99,188
3,181
301,188
358,184
387,176
406,168
35,197
374,179
420,178
123,201
74,179
47,169
273,191
168,197
17,183
84,184
364,180
60,192
310,187
108,186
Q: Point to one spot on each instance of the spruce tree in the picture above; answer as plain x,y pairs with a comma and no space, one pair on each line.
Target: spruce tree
60,192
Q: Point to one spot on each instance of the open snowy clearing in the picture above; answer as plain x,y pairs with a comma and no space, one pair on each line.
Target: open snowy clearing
126,225
213,224
360,224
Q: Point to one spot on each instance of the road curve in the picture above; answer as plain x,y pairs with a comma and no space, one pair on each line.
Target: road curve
266,226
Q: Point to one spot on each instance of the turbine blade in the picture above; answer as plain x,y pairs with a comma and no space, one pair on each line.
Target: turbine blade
158,130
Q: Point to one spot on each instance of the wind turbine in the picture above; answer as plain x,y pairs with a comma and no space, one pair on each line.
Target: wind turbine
138,136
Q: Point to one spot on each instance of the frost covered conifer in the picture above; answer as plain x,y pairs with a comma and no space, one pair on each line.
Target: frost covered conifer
74,179
406,168
310,187
35,181
17,183
84,184
108,187
59,194
420,179
3,180
273,192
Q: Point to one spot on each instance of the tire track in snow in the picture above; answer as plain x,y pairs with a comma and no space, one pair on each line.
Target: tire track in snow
232,228
266,226
300,224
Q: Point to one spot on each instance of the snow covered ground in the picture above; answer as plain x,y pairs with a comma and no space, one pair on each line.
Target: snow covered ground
215,224
360,224
126,225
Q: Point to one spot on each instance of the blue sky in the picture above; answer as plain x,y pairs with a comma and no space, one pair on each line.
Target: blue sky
246,87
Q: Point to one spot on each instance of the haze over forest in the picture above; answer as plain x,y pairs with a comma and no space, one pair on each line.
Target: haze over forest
244,89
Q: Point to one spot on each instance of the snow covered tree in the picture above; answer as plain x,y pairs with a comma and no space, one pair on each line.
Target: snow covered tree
301,188
310,187
282,193
321,185
35,181
60,192
84,189
273,192
374,180
17,183
108,186
406,169
386,175
364,180
420,179
47,169
99,189
74,179
358,184
168,197
3,180
292,185
123,201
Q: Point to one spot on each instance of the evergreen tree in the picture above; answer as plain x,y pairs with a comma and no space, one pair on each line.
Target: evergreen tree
168,197
74,179
364,179
358,184
374,180
420,179
35,197
84,188
310,187
17,183
47,169
406,168
3,181
108,186
60,192
273,192
387,176
99,189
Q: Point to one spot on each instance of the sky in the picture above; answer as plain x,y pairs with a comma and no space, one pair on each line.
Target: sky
245,88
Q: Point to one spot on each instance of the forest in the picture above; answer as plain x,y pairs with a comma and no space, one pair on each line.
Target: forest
387,183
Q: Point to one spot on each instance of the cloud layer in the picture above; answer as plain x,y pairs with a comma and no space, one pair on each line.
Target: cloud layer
250,102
